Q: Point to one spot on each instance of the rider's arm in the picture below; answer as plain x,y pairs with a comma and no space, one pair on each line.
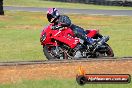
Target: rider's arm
64,21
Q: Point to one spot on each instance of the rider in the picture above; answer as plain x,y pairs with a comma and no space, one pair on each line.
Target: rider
54,17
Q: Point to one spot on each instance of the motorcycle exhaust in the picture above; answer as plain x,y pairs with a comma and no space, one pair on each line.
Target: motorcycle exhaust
101,42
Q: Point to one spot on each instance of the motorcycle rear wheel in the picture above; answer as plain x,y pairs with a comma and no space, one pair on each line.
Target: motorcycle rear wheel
110,52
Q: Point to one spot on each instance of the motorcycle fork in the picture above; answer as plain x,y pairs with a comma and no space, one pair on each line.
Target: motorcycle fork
57,48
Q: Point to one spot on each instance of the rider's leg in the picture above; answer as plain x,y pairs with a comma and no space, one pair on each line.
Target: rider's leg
79,32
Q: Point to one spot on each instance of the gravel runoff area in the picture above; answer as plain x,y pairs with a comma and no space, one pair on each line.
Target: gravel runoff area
12,74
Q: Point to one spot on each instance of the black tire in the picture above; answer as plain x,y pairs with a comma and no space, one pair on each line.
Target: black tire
110,52
48,54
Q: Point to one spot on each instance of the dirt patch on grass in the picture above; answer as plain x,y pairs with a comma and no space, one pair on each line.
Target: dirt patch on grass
25,27
14,74
4,18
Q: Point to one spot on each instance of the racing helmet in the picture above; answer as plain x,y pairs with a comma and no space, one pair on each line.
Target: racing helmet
52,14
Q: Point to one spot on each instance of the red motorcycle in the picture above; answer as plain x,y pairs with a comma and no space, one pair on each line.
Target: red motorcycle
62,44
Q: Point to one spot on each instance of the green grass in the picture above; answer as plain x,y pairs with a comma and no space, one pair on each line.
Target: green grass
44,3
57,83
20,32
20,45
19,36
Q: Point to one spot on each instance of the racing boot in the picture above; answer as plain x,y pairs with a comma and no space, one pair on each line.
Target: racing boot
91,43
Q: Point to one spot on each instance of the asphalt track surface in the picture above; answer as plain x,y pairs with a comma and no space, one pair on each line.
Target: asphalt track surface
74,11
56,61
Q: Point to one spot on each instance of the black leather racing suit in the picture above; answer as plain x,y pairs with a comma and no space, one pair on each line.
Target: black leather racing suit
65,21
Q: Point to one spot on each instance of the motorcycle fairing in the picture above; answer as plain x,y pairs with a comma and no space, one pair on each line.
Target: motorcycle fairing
65,36
91,33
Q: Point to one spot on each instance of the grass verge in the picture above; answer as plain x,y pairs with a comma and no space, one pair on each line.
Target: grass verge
60,83
20,32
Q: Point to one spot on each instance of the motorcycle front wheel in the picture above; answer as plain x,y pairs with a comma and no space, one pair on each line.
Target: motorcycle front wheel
51,54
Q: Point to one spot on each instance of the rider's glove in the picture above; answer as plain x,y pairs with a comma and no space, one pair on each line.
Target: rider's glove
53,27
57,27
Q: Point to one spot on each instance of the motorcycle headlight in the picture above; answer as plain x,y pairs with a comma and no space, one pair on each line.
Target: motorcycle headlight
42,39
